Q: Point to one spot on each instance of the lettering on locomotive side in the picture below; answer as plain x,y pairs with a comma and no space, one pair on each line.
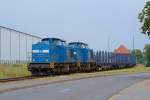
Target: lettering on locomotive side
45,51
35,51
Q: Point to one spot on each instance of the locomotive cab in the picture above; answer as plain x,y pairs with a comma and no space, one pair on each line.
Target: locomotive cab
83,53
83,56
54,41
48,54
44,51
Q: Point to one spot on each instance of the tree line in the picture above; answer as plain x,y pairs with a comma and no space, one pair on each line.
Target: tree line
144,18
143,56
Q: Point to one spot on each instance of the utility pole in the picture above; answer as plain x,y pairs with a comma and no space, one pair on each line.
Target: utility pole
133,44
108,43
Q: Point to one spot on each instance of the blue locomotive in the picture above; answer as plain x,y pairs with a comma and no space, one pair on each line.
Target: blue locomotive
55,56
83,56
48,54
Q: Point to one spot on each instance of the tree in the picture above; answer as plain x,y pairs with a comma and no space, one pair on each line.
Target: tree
144,18
139,55
147,54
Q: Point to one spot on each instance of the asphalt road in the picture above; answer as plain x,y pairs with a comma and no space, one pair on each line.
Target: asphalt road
86,89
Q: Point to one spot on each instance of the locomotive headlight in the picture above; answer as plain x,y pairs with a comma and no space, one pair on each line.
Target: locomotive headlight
74,53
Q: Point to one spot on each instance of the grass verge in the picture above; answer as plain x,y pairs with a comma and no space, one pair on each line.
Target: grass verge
13,70
136,69
18,70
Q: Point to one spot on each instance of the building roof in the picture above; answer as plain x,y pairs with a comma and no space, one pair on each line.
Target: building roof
123,50
20,32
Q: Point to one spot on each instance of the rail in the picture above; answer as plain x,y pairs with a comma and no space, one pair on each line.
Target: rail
18,78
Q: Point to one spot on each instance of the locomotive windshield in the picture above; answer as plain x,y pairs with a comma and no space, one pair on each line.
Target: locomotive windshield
54,41
78,44
58,42
84,46
45,42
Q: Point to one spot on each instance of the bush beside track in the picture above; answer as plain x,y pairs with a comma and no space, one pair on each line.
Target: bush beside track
19,70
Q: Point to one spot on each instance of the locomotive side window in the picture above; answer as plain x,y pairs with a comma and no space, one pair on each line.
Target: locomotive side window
71,53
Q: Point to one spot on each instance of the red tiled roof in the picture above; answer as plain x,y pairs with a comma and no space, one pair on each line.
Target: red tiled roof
122,49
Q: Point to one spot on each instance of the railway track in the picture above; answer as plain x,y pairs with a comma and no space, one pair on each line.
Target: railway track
18,78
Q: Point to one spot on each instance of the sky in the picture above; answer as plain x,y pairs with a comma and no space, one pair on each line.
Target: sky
91,21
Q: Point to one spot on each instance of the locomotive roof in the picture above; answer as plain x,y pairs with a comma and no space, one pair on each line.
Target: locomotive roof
54,39
78,43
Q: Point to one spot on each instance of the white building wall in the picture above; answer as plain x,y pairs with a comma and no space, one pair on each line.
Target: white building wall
23,46
15,46
5,45
29,47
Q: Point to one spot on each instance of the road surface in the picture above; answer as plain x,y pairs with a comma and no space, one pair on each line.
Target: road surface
100,88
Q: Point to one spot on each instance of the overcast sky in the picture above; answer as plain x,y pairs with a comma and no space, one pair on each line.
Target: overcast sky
90,21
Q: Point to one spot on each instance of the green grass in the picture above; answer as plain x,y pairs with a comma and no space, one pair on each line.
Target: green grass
17,70
13,70
136,69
